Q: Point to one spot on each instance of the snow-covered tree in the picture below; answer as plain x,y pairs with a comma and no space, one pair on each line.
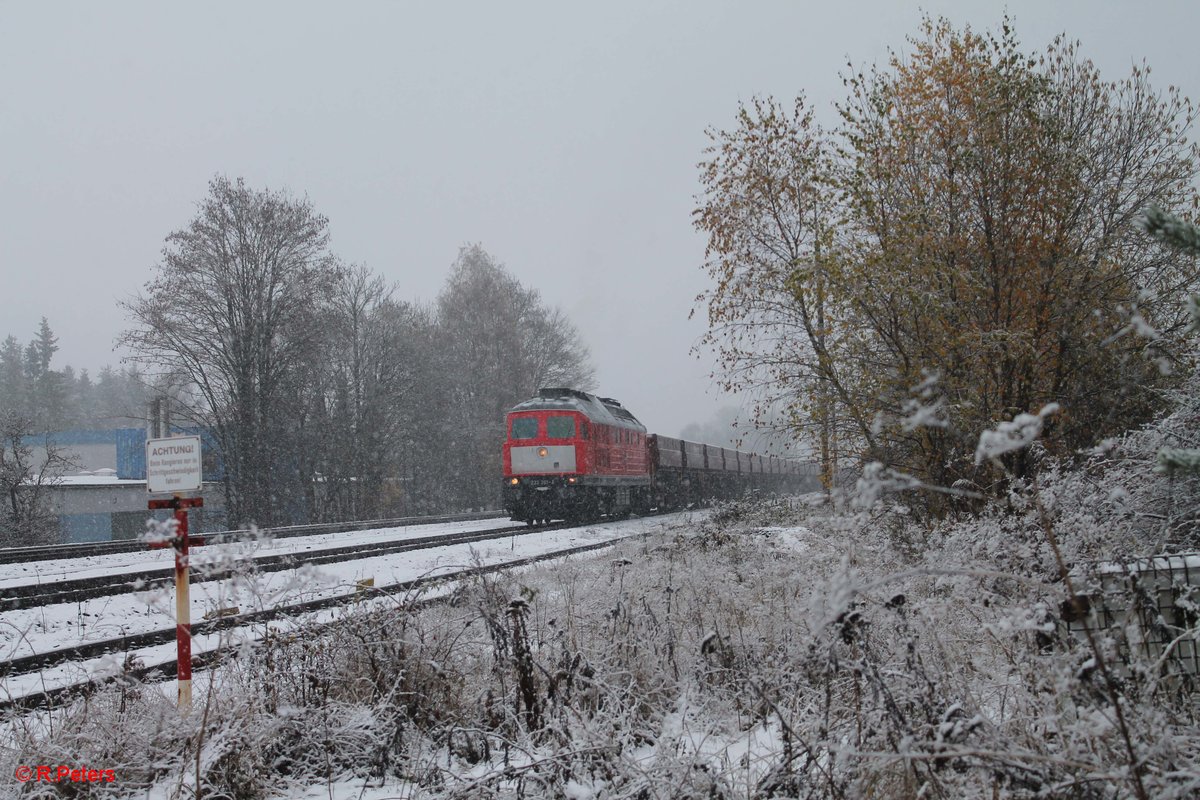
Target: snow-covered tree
967,235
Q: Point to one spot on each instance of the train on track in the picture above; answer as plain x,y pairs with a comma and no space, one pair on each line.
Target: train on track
572,455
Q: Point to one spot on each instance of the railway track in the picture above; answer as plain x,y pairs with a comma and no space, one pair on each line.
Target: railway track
129,645
74,591
20,555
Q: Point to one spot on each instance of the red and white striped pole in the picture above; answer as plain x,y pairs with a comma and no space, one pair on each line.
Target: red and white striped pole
183,613
183,605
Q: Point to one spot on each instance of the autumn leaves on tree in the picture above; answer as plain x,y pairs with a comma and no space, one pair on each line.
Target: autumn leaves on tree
962,248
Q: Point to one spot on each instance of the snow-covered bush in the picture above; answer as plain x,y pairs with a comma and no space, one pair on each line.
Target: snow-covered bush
805,653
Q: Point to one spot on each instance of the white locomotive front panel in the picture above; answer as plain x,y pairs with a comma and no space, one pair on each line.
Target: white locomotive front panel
547,459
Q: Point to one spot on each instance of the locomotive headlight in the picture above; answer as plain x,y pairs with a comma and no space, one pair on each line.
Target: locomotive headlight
571,479
543,452
515,481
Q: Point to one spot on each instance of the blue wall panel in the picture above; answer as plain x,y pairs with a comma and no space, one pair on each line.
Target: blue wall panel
85,527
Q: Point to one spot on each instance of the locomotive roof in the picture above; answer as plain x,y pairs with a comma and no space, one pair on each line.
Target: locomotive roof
603,410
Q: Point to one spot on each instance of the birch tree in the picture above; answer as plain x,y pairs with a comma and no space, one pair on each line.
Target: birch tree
778,328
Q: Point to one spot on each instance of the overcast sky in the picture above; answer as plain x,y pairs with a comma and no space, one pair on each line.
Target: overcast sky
563,137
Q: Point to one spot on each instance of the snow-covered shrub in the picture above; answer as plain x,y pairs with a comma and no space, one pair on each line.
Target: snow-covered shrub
825,654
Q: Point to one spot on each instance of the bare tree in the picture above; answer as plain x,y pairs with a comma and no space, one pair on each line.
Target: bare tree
25,478
500,344
235,307
364,397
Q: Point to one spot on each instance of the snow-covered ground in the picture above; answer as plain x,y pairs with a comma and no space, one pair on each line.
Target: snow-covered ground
46,572
49,628
749,652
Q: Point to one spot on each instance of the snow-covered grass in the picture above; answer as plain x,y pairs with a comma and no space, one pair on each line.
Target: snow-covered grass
777,650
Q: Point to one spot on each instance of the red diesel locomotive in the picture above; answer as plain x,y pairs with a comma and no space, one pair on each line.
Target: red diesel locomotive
572,455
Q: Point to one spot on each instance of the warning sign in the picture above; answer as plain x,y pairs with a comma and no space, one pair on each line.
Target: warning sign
173,465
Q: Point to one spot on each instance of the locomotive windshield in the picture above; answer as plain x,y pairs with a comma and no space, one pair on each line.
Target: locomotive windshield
560,427
525,428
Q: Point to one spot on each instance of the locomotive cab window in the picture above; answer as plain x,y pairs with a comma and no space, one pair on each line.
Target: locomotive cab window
525,428
560,427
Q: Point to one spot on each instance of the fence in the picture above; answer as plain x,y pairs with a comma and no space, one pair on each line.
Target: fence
1150,606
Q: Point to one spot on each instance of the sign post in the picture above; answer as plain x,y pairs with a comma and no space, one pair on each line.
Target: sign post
174,465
